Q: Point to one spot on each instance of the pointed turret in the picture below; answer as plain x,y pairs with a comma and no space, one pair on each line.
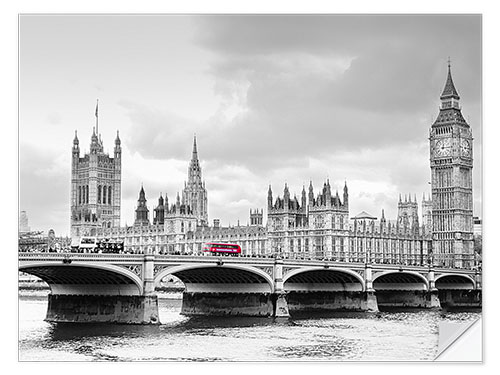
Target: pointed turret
194,171
269,197
94,142
383,221
117,139
328,195
195,149
76,142
346,195
304,199
159,212
76,148
449,111
118,147
311,193
449,90
142,212
194,193
75,153
286,196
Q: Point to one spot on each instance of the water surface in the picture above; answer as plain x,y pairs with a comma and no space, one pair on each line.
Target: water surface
404,335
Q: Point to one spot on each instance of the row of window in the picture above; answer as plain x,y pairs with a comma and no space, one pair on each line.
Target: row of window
104,194
83,194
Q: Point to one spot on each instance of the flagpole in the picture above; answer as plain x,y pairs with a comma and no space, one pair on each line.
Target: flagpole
97,118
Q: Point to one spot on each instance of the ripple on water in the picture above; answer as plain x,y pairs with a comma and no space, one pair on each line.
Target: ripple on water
389,336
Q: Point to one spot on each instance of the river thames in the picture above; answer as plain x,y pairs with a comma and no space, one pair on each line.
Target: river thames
396,335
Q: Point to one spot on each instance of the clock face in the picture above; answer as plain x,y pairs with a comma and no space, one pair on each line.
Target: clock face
443,148
465,148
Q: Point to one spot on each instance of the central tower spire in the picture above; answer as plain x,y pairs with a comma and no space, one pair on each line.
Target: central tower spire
194,171
195,193
195,149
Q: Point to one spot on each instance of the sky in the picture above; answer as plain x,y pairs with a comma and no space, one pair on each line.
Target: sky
272,100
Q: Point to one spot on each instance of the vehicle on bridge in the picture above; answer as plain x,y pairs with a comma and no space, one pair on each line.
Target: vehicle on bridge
86,245
221,248
105,246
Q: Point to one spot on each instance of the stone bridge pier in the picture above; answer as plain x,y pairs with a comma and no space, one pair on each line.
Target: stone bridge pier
90,292
371,287
329,288
121,288
225,287
400,288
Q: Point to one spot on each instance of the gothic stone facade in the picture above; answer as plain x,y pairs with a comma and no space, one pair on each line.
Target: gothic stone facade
451,179
95,188
316,226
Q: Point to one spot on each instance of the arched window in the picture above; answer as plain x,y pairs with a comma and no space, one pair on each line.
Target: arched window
109,195
104,195
99,188
79,195
87,194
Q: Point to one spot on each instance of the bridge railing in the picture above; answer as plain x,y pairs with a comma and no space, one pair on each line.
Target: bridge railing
89,256
406,260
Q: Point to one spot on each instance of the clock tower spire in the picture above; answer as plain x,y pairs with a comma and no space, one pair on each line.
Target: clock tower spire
451,182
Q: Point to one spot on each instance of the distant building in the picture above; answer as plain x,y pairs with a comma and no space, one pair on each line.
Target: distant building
23,222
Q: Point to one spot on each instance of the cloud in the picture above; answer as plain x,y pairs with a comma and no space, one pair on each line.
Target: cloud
45,188
292,87
270,98
54,118
157,134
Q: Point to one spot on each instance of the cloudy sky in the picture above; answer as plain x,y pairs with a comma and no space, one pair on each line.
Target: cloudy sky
272,99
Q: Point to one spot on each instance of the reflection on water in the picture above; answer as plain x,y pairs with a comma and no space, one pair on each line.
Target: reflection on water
390,335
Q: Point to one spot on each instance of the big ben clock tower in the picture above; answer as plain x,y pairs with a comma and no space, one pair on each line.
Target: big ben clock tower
451,181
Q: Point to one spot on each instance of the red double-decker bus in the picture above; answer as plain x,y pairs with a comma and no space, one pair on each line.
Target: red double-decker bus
222,248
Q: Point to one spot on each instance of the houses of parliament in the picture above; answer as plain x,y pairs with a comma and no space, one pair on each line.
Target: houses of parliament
316,225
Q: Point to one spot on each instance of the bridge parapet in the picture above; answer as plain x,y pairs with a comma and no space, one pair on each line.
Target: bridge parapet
80,257
227,276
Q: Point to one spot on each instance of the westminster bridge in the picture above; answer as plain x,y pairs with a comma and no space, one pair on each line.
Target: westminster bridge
121,287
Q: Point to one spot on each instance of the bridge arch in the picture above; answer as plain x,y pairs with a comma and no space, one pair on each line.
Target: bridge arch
400,280
453,281
199,277
333,279
86,278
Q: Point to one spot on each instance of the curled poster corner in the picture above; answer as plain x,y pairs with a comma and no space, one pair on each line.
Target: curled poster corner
460,342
